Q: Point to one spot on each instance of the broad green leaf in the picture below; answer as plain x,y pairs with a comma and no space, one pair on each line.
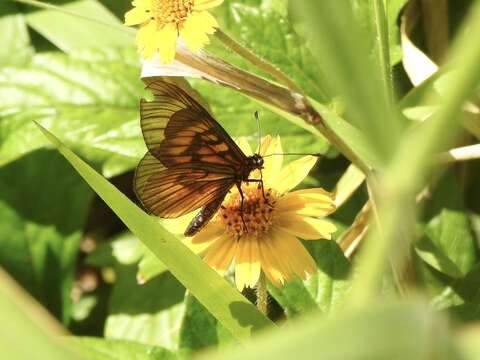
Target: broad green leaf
325,290
381,331
216,294
107,349
150,313
90,98
294,298
199,328
127,249
449,245
268,34
71,33
330,286
15,49
42,210
460,297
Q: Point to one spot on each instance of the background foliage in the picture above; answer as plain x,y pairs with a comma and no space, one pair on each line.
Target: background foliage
118,298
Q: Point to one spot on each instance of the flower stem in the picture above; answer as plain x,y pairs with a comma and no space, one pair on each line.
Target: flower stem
257,61
262,295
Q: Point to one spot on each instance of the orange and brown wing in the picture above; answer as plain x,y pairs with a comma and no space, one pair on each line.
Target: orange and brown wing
172,192
178,130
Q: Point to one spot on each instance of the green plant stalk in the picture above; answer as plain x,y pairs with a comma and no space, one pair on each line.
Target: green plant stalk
383,47
230,308
395,192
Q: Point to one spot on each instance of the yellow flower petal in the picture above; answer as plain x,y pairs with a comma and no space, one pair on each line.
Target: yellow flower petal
178,225
244,145
307,228
266,143
143,3
293,174
270,265
272,164
136,16
310,202
205,238
302,263
166,43
206,4
145,38
221,253
196,28
247,263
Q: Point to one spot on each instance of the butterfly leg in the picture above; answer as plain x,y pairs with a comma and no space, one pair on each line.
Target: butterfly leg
260,182
239,187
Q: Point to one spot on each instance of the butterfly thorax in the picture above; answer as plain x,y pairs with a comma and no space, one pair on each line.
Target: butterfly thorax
254,162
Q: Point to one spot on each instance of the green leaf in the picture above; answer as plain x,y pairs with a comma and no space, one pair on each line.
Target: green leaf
366,17
15,47
268,34
43,211
352,136
325,290
149,267
127,249
90,98
70,32
381,331
107,349
149,313
216,294
448,243
23,318
332,284
199,328
394,9
294,298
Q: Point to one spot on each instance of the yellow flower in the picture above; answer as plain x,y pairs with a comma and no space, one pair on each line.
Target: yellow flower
269,242
162,21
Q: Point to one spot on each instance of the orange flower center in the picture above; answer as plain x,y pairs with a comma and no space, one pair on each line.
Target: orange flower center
257,214
171,11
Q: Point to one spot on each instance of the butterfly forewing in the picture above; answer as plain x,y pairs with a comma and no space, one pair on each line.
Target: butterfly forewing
192,162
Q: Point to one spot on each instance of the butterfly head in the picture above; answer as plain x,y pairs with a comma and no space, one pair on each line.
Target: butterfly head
255,162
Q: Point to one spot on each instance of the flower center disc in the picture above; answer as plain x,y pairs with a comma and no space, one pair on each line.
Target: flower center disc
257,212
171,11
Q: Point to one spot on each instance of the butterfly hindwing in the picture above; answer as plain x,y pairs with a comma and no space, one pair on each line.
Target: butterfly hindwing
177,191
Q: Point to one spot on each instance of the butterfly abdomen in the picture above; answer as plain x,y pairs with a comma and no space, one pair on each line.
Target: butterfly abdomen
203,217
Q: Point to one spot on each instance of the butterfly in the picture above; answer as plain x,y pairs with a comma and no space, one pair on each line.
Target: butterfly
191,161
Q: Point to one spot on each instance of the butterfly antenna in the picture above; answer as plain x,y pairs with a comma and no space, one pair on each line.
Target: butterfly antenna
294,154
259,131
